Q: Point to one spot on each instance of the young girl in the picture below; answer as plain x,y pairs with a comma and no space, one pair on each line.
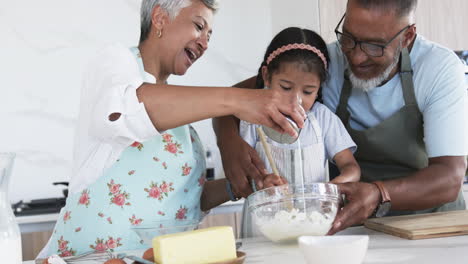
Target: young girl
296,63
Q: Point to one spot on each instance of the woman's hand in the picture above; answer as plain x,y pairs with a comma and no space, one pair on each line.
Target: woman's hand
270,108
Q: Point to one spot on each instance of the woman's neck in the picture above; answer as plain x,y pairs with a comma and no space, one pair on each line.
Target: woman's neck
152,61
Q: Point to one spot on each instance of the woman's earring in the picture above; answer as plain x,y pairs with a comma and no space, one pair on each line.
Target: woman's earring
159,32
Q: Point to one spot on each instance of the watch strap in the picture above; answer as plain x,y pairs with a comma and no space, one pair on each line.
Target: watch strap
383,191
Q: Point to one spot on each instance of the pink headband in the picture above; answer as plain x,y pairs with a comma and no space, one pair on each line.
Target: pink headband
301,46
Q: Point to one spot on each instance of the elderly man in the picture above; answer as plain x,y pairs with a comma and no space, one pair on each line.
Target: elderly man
402,98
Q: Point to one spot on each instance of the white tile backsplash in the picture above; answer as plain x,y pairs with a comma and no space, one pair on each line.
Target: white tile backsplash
44,46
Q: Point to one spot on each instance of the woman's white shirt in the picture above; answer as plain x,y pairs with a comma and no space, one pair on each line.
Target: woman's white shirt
109,86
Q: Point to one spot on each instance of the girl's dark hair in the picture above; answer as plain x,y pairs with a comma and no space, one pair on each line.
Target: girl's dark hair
308,60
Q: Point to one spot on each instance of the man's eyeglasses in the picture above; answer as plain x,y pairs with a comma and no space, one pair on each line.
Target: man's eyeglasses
374,50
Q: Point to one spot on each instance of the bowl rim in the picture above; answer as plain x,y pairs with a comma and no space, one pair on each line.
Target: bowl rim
253,199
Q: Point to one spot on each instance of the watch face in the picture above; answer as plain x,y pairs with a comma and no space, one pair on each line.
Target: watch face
383,209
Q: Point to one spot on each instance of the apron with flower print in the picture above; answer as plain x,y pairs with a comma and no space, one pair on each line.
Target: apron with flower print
160,179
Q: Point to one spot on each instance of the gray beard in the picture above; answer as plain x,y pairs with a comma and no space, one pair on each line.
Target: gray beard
370,84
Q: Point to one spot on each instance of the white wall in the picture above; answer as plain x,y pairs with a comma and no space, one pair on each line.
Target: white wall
45,44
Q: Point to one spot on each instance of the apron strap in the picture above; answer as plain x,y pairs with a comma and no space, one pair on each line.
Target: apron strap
406,75
315,125
341,110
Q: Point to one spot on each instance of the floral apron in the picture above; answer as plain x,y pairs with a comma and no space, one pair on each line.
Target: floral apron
292,164
160,179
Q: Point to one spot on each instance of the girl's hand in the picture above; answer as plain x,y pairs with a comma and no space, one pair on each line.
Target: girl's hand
348,166
340,179
273,180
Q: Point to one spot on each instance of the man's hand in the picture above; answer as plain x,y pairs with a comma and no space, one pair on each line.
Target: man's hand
362,199
241,164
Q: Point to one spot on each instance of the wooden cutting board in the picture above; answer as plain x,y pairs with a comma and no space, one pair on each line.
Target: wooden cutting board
444,224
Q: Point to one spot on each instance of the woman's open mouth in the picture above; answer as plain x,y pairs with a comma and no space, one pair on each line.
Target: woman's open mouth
191,55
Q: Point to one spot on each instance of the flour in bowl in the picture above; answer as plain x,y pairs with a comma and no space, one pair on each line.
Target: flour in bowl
288,225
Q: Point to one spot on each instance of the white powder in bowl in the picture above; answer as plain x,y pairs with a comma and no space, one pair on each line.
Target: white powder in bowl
290,225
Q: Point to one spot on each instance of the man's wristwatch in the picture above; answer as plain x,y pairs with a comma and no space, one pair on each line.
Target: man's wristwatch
384,206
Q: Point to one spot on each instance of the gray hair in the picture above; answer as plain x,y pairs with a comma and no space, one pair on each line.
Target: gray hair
172,7
402,8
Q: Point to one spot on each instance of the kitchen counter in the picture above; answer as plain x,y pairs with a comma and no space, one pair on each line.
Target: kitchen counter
383,248
46,222
36,223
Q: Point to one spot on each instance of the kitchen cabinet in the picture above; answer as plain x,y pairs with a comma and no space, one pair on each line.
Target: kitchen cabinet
465,192
331,12
33,242
443,22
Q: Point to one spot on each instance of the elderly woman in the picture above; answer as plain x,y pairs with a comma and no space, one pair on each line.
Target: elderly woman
136,158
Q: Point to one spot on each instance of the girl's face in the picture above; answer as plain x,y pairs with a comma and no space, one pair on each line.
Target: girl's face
294,81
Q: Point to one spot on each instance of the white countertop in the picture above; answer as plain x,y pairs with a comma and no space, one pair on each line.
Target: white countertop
40,218
383,248
36,223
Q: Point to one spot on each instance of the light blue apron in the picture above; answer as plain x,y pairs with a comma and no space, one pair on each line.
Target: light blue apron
160,179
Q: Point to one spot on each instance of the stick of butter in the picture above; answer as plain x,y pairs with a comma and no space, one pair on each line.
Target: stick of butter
208,245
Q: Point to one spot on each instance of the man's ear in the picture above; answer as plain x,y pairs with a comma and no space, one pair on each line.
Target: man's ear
265,76
409,36
159,18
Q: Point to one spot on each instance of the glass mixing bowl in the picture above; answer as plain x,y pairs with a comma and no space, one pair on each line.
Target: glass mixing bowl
148,231
283,213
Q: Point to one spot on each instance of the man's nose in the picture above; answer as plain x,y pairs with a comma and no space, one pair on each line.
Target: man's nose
356,56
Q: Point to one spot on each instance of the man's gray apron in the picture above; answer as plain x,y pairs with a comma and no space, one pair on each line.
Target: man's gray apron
291,163
395,147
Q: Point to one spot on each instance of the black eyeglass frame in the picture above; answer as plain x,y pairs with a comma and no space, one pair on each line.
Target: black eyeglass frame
356,42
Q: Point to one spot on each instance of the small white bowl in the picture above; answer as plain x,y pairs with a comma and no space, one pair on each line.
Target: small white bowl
334,249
